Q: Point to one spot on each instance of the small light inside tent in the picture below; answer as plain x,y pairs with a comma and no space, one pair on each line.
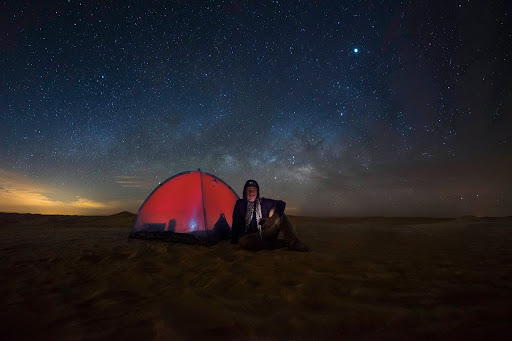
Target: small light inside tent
192,224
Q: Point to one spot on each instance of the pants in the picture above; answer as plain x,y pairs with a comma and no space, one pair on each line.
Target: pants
268,239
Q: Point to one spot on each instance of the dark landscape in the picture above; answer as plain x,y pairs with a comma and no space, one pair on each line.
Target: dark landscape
82,278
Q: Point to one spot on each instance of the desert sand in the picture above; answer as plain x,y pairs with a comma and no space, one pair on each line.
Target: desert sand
82,278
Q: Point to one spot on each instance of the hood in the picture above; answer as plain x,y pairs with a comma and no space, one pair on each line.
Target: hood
251,183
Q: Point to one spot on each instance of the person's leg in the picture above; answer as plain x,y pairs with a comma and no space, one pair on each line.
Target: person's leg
270,232
251,241
270,240
276,224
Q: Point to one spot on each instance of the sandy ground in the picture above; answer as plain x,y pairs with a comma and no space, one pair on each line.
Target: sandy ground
81,278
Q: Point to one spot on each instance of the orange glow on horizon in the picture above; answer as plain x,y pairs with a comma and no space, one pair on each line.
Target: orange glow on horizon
22,195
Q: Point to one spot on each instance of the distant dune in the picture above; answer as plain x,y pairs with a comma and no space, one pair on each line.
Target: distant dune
81,277
124,214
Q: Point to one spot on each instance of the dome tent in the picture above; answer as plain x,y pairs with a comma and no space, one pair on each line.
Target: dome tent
191,207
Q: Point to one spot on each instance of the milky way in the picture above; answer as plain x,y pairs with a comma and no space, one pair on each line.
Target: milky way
337,108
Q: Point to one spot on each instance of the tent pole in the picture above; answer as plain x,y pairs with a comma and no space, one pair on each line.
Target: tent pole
202,196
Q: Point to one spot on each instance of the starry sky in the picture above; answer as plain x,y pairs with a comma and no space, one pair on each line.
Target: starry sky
339,108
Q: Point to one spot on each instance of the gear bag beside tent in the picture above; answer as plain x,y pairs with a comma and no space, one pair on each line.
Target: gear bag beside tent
191,207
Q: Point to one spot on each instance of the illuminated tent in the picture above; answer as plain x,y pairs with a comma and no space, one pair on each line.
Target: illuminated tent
191,207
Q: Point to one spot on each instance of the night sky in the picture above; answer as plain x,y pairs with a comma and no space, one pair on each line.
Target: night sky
340,108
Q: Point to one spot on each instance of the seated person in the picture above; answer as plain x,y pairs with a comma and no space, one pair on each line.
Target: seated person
258,221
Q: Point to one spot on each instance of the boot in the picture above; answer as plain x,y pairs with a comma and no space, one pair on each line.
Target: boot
297,245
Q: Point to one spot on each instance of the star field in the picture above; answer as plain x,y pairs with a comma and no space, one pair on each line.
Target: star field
338,108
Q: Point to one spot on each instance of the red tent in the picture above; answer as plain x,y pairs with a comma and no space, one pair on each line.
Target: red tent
190,206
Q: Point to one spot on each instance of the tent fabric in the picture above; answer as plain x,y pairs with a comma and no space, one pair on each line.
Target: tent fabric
192,207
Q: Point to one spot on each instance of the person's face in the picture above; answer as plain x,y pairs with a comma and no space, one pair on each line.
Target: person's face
251,193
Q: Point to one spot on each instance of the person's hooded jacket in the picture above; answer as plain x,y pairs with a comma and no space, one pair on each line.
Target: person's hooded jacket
239,227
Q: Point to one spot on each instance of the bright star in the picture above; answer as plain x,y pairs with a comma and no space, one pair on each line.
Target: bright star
356,50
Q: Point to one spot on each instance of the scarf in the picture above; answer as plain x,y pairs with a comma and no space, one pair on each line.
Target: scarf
250,211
